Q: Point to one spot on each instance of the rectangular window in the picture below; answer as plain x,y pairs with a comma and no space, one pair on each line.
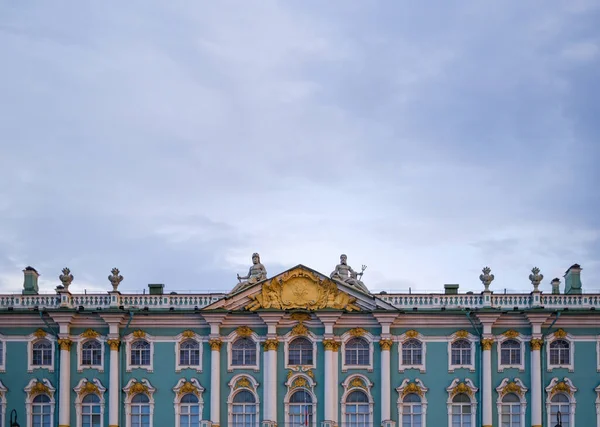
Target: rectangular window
412,356
559,356
511,356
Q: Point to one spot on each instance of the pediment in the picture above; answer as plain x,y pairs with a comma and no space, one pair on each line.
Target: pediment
300,288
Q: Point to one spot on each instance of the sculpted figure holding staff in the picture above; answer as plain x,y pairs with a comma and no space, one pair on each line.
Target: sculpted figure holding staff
256,273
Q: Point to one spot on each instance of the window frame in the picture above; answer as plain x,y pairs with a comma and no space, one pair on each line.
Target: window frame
3,342
80,343
502,392
81,393
149,391
568,338
597,390
462,336
231,339
31,394
369,339
180,339
308,386
242,382
350,385
3,413
34,338
403,392
502,339
129,340
288,341
404,338
473,397
551,392
196,389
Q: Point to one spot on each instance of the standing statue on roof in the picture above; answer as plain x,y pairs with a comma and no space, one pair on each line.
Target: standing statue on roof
344,273
256,273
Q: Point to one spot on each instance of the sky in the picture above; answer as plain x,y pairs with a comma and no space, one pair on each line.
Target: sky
425,140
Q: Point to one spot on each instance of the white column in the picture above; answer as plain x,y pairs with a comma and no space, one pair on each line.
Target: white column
336,389
330,380
386,346
270,377
486,384
64,410
536,383
113,383
215,380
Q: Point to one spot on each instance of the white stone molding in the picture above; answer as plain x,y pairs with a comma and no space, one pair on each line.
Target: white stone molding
133,388
3,413
129,340
288,338
470,338
236,384
233,337
357,382
35,388
2,354
467,387
179,339
549,339
300,381
597,390
182,388
365,335
511,387
565,387
597,356
406,336
417,387
85,387
37,337
83,338
502,338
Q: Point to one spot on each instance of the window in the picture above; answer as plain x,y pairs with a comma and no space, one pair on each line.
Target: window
461,352
41,411
511,411
412,411
91,411
560,353
243,352
560,402
412,353
244,409
300,352
1,361
140,411
91,353
189,414
42,353
461,411
357,352
357,409
300,409
189,353
140,353
510,353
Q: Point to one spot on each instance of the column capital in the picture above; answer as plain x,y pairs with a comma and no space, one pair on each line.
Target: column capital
271,344
114,344
386,344
486,344
331,345
536,344
65,344
215,345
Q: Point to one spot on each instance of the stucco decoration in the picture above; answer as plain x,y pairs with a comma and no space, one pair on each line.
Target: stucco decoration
35,387
139,334
115,278
357,332
301,289
467,387
188,334
486,278
564,386
134,387
486,344
184,387
411,333
344,273
462,334
89,333
215,344
40,333
65,344
506,386
408,387
561,333
244,331
270,344
536,344
386,343
114,344
511,333
66,278
535,277
85,387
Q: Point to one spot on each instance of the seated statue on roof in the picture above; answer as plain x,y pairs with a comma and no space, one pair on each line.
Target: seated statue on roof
344,273
257,273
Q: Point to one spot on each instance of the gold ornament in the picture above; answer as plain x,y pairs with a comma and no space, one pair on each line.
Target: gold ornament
89,388
242,383
186,388
511,333
270,344
411,334
300,329
65,344
357,382
244,331
329,344
215,344
300,382
90,333
139,334
39,388
536,344
560,334
512,387
40,333
462,334
561,387
462,388
310,374
188,334
138,388
486,343
412,388
114,344
299,316
357,332
386,343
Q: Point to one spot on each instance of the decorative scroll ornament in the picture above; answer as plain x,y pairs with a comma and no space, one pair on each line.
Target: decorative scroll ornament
89,388
536,344
187,388
512,387
215,344
511,333
114,344
244,331
90,333
564,386
36,387
243,383
411,333
486,278
560,334
139,334
331,345
412,388
461,334
66,278
115,278
506,387
40,333
300,382
65,344
188,334
270,344
39,388
299,329
386,343
140,387
561,387
535,277
407,387
357,332
486,343
457,387
358,383
301,289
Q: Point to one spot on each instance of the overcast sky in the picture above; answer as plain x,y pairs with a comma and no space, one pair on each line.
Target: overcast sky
424,139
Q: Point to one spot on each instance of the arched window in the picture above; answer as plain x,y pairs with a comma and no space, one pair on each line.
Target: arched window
189,411
510,353
91,353
461,352
511,411
41,411
300,352
357,409
140,353
461,410
560,402
560,352
357,352
140,411
189,353
300,409
412,411
412,352
244,409
243,352
42,353
91,411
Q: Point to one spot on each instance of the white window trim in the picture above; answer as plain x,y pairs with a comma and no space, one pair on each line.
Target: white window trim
570,394
197,390
521,395
3,355
179,339
597,390
3,391
473,389
370,338
456,337
292,388
80,393
129,340
83,339
401,340
31,340
597,357
501,339
233,337
401,395
31,394
149,391
234,388
288,338
570,339
349,388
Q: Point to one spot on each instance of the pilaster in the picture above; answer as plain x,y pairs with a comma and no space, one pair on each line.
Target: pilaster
215,342
113,320
536,320
487,321
270,365
386,320
63,320
331,347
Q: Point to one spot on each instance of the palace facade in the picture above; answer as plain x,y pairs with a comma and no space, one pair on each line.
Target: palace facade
301,349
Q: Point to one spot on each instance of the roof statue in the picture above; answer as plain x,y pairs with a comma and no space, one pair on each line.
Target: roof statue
256,273
344,273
